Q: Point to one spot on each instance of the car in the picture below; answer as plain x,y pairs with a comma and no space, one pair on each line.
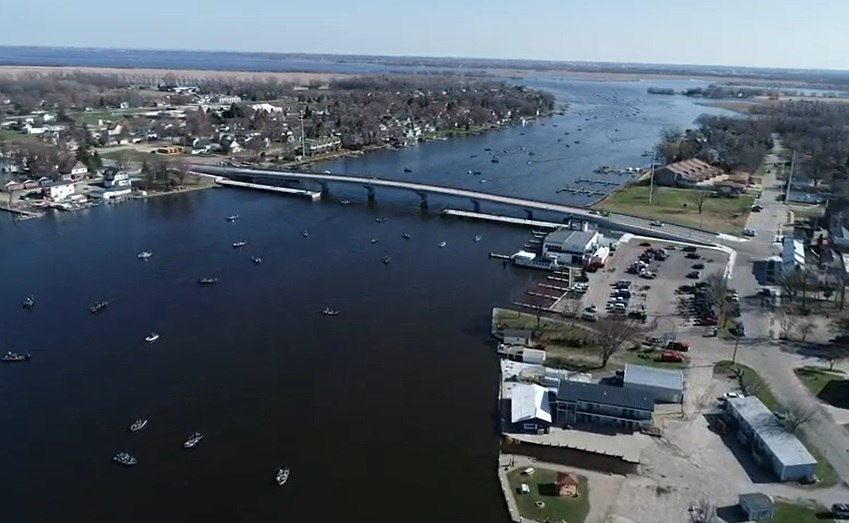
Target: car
680,346
757,208
840,510
689,248
711,332
656,223
698,266
749,232
692,256
694,275
645,244
671,247
591,308
670,357
729,395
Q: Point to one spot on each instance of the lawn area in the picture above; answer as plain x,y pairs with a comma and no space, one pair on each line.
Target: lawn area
816,378
132,155
6,134
808,211
676,206
751,381
630,355
556,508
111,115
545,327
792,513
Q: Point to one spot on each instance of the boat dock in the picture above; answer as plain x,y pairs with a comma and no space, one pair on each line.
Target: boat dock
599,182
313,195
500,256
19,211
501,219
575,190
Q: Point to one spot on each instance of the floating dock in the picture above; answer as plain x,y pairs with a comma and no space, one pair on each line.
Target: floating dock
501,219
313,195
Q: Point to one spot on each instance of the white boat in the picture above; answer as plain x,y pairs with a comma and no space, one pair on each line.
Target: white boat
374,240
442,244
124,459
477,238
256,259
329,312
240,244
282,476
345,202
233,218
152,337
306,234
145,255
138,425
193,440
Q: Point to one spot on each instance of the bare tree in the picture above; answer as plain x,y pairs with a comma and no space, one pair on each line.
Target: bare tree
699,198
805,329
796,415
787,322
839,326
835,352
612,334
181,169
122,160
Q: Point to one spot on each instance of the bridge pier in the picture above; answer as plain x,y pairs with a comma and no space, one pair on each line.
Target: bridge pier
476,205
422,199
370,189
529,214
325,188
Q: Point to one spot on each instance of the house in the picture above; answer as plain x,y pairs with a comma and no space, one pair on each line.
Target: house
229,100
792,259
322,145
596,404
267,108
757,506
112,177
770,442
58,190
567,484
686,173
530,408
74,173
517,337
569,246
114,192
667,386
9,167
533,356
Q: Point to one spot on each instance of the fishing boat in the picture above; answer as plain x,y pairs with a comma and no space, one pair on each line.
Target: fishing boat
239,244
282,475
406,236
138,425
208,281
152,337
345,202
29,302
380,220
442,244
386,259
374,240
256,259
306,234
193,440
233,218
12,357
330,312
477,238
99,306
145,255
122,458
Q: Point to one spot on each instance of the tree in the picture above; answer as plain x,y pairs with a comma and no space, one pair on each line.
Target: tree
699,198
182,170
612,334
797,415
122,161
786,321
805,330
835,352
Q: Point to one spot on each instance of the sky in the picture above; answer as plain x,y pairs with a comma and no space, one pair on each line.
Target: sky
767,33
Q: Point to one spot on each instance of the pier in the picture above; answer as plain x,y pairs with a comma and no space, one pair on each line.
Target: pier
599,182
19,211
500,219
575,190
313,195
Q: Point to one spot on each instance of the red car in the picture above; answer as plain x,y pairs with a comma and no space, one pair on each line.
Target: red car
680,346
670,357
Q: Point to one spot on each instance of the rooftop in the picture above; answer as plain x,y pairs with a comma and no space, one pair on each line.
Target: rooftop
782,444
652,377
529,402
605,395
517,333
693,169
757,501
571,240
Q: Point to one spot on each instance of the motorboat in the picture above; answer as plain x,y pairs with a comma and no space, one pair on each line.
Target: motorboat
29,302
494,160
152,337
476,173
406,236
482,181
12,357
239,244
386,259
380,220
208,281
99,306
442,244
193,440
256,259
477,238
329,312
407,170
125,459
233,218
345,202
374,240
282,475
145,255
138,425
306,234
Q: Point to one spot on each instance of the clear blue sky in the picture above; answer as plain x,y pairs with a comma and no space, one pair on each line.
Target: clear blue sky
769,33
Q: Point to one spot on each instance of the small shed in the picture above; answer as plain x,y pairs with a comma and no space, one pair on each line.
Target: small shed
667,386
533,356
567,484
757,506
517,337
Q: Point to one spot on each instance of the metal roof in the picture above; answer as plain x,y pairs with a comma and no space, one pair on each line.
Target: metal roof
782,444
571,391
756,501
570,240
793,253
529,402
652,377
517,333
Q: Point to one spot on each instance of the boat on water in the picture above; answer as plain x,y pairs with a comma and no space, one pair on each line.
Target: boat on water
138,425
380,220
477,238
239,244
145,255
442,244
345,202
12,357
406,236
386,259
494,160
476,173
374,240
208,281
306,234
29,302
256,259
99,306
407,170
282,475
330,312
482,181
122,458
233,218
152,337
193,440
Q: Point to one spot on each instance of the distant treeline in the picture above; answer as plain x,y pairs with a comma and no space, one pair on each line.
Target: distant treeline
716,91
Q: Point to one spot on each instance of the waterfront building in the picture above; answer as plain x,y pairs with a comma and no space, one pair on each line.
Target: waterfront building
666,385
517,337
57,191
596,404
112,177
530,408
571,247
686,173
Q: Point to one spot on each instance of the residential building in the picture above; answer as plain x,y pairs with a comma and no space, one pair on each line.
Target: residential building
533,356
686,173
792,258
516,337
229,99
322,145
596,404
268,108
114,192
530,408
112,177
667,386
74,173
568,246
58,190
757,506
769,440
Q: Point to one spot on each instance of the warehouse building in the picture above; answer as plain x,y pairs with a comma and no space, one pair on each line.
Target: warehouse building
770,442
667,386
569,246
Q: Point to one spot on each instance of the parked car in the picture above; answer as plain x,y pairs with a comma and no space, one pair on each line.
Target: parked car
680,346
591,308
711,332
670,357
749,232
698,266
645,244
757,208
840,510
689,248
656,223
692,256
694,275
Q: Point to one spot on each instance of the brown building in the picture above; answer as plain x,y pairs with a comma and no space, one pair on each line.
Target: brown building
686,173
567,484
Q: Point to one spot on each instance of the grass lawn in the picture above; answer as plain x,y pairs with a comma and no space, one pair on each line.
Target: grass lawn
808,211
751,381
545,327
6,134
673,205
633,356
112,115
816,378
792,513
556,508
131,155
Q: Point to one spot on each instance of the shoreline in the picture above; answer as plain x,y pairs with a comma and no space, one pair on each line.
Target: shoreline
16,71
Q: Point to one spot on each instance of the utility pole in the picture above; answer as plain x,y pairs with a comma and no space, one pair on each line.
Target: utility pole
736,344
303,138
790,179
651,180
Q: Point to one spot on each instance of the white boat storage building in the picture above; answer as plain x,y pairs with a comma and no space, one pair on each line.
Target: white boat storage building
667,386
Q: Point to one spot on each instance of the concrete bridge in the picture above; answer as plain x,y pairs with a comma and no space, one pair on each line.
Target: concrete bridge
621,222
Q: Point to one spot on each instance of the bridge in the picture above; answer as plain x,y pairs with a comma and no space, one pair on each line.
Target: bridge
613,221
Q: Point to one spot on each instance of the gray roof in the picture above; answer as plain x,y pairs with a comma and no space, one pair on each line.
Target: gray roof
571,391
786,448
652,377
756,501
517,333
570,240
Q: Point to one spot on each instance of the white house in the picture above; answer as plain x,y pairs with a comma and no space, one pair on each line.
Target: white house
112,177
58,190
116,192
517,337
229,99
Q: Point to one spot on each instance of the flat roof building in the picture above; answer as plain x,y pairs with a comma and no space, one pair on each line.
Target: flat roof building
570,246
666,386
597,404
530,408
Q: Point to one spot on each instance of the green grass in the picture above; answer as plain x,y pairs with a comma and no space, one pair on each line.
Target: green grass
816,378
545,327
633,356
751,382
675,206
6,134
132,155
808,211
92,117
572,510
793,513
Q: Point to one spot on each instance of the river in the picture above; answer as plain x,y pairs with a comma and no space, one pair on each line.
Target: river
383,413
